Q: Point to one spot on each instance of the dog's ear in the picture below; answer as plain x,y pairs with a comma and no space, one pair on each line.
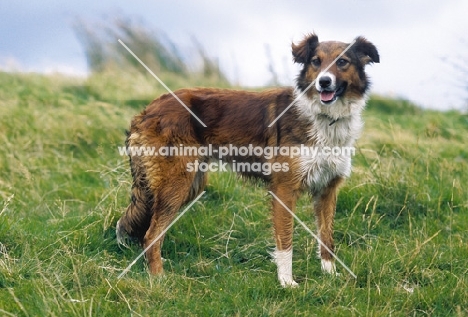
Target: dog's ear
366,51
303,52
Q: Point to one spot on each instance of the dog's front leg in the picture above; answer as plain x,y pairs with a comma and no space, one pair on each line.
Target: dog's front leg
283,230
324,206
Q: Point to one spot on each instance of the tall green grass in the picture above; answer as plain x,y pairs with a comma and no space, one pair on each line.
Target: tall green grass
401,223
159,53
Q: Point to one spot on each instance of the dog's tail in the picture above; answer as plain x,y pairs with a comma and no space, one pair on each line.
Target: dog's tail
136,220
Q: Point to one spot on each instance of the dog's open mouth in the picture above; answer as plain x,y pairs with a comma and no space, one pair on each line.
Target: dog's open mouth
329,96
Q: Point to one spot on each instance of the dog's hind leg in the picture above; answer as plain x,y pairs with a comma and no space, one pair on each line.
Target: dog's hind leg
171,194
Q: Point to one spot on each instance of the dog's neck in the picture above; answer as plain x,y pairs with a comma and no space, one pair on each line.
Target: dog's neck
339,124
327,117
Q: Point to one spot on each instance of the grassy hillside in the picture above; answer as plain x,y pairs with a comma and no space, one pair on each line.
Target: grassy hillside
401,223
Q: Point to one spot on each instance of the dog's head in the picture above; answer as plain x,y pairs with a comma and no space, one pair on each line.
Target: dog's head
336,69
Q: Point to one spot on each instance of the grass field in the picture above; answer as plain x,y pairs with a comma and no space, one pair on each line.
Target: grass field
401,223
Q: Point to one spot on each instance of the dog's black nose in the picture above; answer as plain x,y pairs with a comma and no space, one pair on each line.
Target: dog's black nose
325,81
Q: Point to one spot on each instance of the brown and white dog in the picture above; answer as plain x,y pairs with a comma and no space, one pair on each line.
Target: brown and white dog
326,115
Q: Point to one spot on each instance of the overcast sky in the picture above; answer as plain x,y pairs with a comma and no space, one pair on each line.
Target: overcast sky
413,37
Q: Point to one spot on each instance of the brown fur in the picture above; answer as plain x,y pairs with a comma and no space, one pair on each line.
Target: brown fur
162,185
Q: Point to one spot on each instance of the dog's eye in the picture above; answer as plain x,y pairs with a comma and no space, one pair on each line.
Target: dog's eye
342,62
315,62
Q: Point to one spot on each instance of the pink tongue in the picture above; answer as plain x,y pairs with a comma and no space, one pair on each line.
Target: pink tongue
327,95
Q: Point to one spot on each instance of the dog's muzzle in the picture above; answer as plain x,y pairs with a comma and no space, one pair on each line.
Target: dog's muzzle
328,91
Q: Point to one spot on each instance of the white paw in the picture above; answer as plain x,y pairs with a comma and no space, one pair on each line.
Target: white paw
287,282
329,267
283,260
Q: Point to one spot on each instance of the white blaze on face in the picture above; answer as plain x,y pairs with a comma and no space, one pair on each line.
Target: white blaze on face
322,75
327,91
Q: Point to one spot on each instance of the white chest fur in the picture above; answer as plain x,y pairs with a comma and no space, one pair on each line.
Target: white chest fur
333,143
